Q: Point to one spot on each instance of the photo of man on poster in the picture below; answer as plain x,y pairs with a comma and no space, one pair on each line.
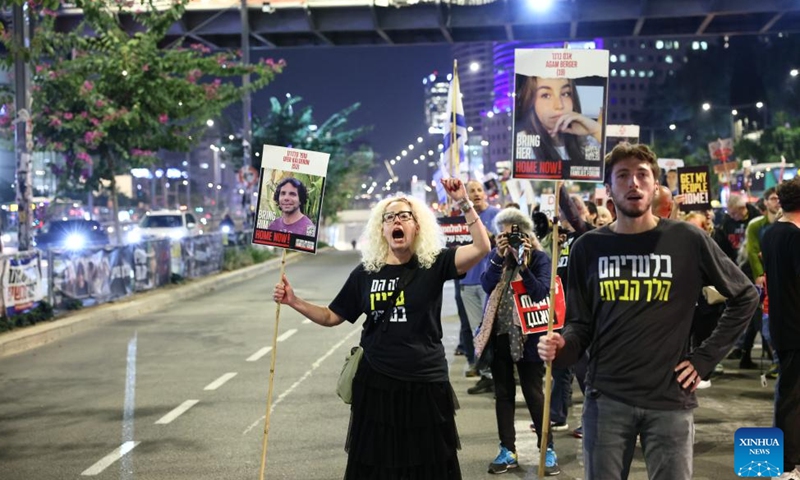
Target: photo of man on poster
291,196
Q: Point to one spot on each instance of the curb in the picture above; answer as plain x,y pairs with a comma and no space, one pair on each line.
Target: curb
18,341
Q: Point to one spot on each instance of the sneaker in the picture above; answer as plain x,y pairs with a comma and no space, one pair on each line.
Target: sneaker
551,463
471,373
704,384
719,369
773,371
505,460
484,385
578,432
559,426
735,354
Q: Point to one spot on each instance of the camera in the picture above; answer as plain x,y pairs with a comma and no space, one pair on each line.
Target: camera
514,238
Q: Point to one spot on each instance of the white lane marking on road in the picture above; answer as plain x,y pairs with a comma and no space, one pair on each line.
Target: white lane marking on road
307,321
287,334
177,412
112,457
308,373
259,354
126,465
220,381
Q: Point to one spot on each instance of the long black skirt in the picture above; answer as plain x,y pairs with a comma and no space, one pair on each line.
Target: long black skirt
401,430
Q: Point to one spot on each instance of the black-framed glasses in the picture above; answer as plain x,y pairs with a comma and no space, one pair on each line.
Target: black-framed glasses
404,216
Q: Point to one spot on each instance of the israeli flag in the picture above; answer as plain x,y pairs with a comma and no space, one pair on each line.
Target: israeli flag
450,165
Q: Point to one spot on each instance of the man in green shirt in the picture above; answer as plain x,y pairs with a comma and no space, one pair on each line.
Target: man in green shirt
755,232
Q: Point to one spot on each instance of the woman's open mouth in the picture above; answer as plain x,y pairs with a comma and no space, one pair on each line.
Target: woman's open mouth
398,234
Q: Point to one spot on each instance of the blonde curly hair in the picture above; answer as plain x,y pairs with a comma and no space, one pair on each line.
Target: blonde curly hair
427,244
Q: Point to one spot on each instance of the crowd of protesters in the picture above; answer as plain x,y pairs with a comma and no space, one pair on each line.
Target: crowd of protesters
656,299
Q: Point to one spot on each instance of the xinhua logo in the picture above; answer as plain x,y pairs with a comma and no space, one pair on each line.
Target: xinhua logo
758,452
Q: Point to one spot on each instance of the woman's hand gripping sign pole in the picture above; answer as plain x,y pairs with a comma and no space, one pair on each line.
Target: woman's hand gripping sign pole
287,216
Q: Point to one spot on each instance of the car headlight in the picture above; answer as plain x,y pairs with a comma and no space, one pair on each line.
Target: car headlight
134,236
176,235
74,241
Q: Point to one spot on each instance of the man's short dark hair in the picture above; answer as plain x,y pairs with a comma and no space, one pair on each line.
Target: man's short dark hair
638,151
302,193
789,194
768,192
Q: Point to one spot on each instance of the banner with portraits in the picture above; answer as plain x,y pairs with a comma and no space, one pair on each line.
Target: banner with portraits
92,276
290,198
560,100
23,286
201,255
151,264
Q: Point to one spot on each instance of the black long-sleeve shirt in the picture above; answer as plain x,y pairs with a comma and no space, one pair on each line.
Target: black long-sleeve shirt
630,301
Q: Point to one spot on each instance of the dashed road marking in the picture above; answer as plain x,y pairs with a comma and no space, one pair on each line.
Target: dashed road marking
220,381
112,457
177,412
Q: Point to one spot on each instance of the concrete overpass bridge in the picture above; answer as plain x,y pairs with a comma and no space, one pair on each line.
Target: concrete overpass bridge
306,23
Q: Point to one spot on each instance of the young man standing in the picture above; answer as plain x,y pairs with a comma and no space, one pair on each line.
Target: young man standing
782,263
630,300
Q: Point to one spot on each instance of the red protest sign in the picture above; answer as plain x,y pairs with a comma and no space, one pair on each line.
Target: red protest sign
535,315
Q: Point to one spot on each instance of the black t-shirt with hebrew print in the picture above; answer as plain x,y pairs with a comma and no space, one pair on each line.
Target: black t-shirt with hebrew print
408,347
630,301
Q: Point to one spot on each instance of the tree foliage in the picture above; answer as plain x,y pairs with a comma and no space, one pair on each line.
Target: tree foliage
287,126
109,98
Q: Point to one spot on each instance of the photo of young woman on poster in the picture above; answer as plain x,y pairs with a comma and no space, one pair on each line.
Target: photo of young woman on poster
550,124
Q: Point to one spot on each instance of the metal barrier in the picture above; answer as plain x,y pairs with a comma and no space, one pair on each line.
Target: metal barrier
97,275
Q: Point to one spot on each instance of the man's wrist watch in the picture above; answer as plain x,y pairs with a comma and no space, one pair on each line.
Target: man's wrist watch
464,204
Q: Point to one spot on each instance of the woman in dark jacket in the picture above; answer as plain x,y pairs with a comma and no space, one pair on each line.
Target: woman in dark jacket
518,256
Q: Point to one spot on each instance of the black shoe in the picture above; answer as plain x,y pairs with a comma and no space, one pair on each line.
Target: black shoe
460,351
747,364
484,385
735,354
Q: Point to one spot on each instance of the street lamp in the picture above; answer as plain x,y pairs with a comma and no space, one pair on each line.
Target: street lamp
793,72
759,104
672,126
706,106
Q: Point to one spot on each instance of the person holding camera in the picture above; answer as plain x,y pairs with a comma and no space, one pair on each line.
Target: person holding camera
500,342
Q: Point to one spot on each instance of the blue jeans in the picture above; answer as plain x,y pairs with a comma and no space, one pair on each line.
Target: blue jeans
561,397
610,430
474,299
466,333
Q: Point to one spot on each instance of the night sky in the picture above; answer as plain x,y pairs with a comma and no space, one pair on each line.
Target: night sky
386,80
